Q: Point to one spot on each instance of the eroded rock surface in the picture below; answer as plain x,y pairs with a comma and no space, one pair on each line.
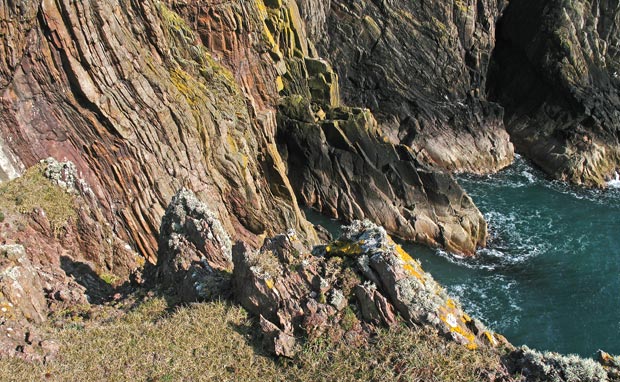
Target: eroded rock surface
127,93
554,367
421,67
556,72
346,169
194,250
344,290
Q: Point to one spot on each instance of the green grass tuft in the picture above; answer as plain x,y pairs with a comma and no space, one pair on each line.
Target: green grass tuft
33,190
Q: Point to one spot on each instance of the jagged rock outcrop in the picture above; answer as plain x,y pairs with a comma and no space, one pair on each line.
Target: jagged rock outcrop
344,167
421,67
344,290
194,250
556,73
554,367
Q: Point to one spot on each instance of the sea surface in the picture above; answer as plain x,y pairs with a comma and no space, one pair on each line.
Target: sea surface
550,276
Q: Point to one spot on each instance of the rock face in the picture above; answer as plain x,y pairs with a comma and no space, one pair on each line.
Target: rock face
421,67
127,93
555,72
343,167
344,289
194,249
189,99
341,162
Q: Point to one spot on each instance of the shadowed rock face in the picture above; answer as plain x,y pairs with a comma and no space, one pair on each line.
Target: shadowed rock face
556,73
421,67
344,167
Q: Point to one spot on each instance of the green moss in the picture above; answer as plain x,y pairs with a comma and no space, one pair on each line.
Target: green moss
349,319
34,191
109,278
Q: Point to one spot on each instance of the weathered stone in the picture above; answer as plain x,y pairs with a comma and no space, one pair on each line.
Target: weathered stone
21,292
142,118
361,277
421,68
549,366
194,250
555,72
610,363
343,168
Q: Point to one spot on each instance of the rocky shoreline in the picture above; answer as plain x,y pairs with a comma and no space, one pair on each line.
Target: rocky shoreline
361,110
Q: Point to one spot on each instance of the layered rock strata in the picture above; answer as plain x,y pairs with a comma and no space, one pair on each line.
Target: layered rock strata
421,68
341,162
126,92
556,73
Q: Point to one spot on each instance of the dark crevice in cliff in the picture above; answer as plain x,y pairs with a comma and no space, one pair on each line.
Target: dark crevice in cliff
515,80
554,71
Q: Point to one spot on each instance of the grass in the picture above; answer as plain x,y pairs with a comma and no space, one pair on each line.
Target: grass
218,341
33,190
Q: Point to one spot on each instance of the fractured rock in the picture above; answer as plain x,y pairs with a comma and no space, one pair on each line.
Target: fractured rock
344,290
194,249
342,167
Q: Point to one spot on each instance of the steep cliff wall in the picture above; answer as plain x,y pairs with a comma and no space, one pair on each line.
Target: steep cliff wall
125,91
421,67
145,101
556,72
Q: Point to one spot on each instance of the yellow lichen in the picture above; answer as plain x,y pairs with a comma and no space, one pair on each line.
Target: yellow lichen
490,338
269,283
410,265
447,315
279,84
344,248
450,304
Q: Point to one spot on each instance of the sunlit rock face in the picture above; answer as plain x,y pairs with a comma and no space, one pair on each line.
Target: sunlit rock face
345,289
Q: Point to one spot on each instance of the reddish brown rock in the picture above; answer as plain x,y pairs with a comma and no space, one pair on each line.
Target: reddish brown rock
128,94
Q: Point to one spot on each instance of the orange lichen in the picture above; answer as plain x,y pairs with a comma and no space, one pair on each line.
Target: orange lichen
410,265
269,283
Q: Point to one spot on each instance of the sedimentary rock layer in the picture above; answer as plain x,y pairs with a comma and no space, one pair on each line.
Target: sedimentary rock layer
125,90
421,67
556,73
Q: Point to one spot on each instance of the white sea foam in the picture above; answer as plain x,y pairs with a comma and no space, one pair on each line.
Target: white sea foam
615,182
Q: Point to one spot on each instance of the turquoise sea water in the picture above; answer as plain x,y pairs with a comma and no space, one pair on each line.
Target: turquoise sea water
550,277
